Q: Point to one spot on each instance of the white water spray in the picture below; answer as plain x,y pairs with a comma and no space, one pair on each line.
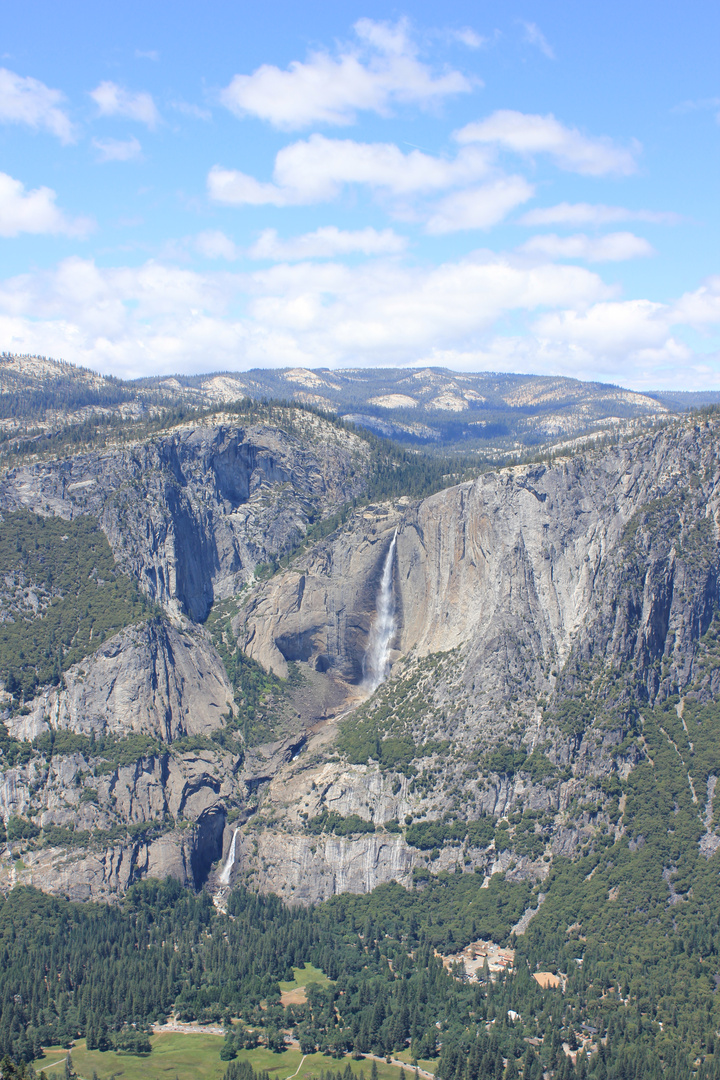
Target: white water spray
229,862
377,656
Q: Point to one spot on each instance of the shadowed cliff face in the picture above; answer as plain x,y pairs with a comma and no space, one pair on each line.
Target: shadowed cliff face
191,513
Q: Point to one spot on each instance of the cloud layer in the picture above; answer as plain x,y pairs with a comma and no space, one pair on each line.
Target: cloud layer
327,243
316,170
162,318
613,247
590,214
344,250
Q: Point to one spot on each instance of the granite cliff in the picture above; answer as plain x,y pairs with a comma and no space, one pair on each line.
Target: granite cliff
538,610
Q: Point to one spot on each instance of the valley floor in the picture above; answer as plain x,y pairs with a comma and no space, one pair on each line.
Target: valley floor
196,1056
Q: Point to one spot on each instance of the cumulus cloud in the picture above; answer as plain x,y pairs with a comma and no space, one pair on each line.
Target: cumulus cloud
594,214
526,133
114,100
34,211
214,244
480,207
157,318
636,338
608,327
326,243
379,71
118,149
614,247
701,308
29,101
534,36
316,169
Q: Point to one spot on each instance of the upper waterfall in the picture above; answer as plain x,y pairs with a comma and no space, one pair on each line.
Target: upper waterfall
376,662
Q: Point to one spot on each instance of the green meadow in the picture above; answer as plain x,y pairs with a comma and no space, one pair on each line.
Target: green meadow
303,977
181,1056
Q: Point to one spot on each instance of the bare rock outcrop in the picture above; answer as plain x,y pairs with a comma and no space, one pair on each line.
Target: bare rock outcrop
154,678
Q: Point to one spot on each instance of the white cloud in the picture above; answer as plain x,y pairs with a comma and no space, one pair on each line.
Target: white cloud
614,247
147,54
534,36
34,211
481,207
118,149
467,36
316,169
525,133
700,308
158,319
29,101
612,328
214,244
378,72
114,100
153,318
594,214
634,338
234,188
195,112
327,242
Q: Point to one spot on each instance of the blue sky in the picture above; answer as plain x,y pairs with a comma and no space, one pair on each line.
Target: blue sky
523,187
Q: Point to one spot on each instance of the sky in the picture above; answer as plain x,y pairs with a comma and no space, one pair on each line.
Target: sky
519,186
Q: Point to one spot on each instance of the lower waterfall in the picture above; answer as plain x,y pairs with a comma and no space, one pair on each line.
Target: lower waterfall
229,862
376,663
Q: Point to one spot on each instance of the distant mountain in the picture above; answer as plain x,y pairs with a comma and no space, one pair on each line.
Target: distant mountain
433,407
437,406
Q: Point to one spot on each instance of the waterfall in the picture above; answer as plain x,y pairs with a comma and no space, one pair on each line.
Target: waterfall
377,656
229,862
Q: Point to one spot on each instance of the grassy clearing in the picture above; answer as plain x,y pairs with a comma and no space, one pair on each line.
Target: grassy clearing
304,976
428,1064
197,1057
189,1057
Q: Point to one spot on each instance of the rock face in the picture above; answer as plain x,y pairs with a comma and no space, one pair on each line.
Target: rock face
190,514
510,568
154,678
321,614
537,610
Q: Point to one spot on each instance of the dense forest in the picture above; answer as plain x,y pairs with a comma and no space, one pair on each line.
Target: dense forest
642,1005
